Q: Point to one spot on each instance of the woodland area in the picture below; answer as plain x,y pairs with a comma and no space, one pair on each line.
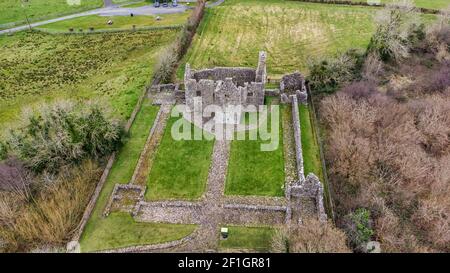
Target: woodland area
388,136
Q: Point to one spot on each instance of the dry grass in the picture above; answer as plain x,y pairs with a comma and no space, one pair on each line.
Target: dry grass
312,236
51,214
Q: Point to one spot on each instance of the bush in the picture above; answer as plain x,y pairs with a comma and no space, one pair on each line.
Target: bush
438,37
359,227
165,66
3,151
394,26
64,133
327,75
312,236
360,90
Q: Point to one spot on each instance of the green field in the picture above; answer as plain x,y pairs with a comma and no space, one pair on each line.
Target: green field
12,11
255,172
290,32
250,238
119,22
180,169
119,229
111,67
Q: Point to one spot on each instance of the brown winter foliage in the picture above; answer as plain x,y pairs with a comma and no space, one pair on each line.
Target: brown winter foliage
392,157
312,236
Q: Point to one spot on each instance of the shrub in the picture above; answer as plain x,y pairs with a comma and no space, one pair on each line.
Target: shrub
14,177
64,133
373,68
165,66
327,75
359,227
312,236
3,151
395,24
440,80
360,90
438,36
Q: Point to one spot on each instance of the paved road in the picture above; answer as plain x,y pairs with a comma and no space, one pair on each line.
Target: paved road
110,9
106,11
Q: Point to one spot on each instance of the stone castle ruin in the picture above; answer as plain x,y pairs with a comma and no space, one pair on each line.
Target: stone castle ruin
225,87
244,86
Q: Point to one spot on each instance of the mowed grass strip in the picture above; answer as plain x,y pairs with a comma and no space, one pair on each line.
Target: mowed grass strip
251,238
291,33
14,12
120,229
119,22
255,172
310,146
180,169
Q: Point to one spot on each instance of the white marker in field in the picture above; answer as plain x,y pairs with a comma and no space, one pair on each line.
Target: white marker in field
73,2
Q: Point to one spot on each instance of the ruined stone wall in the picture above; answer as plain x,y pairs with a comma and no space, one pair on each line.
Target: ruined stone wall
297,138
226,85
311,185
240,75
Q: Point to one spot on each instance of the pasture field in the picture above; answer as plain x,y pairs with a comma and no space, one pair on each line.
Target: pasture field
291,33
14,13
119,22
111,67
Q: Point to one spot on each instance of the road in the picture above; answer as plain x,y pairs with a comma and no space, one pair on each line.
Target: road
112,10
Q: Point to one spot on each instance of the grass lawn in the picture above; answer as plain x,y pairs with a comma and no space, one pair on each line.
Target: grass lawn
12,11
310,147
255,172
290,31
180,169
119,229
110,67
253,238
119,22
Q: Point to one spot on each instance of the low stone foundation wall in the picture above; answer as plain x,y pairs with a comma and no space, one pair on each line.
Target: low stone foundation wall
240,75
298,138
152,247
254,215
